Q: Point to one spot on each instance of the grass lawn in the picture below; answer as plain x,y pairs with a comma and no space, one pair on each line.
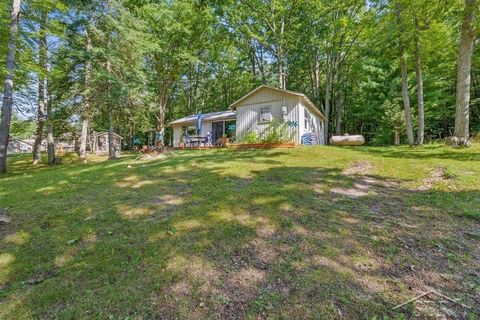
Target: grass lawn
305,233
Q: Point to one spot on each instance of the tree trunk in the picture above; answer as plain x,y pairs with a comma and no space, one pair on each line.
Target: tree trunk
464,65
418,73
8,87
328,89
339,102
42,60
84,119
112,151
397,137
281,58
160,128
50,140
406,98
281,76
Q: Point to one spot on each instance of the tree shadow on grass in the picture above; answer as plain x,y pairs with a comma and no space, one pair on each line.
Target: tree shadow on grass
206,242
426,152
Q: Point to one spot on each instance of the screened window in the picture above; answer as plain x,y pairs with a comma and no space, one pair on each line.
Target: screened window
190,130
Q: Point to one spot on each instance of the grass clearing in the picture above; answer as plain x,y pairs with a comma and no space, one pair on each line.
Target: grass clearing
318,232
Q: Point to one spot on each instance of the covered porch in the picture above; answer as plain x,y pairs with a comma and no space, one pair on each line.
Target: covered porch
203,131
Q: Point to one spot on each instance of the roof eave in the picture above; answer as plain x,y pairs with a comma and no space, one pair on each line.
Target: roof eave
314,107
233,105
193,121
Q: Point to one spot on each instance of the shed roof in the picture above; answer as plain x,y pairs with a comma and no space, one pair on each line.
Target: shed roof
211,116
98,134
311,106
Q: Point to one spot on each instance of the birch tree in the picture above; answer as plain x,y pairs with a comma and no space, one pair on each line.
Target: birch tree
419,77
85,112
464,66
7,103
404,72
42,71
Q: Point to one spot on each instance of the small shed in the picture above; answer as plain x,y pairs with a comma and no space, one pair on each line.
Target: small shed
20,146
99,142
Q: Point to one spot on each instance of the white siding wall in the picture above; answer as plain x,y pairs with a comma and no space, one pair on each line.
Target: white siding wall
301,121
177,133
248,112
177,130
315,125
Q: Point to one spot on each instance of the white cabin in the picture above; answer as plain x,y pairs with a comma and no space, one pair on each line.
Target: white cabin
256,112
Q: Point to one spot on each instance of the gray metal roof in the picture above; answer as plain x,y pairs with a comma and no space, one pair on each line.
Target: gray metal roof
211,116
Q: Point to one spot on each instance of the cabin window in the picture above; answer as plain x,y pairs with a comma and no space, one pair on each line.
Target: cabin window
307,119
190,130
266,114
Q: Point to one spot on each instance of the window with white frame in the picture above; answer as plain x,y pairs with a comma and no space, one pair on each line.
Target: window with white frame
307,119
266,114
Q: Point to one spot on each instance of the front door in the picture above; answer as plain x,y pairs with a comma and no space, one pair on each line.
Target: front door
217,131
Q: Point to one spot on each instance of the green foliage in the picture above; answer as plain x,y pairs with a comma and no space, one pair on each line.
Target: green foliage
250,137
169,59
276,132
22,128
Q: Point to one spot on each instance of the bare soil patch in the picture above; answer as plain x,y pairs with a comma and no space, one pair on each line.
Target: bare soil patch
360,167
438,175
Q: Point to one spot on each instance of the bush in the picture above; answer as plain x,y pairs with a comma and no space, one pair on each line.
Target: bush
276,133
251,137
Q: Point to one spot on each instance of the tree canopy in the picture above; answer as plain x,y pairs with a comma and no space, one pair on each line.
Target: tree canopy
131,66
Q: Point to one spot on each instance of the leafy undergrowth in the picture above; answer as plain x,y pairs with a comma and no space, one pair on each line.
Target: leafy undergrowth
294,234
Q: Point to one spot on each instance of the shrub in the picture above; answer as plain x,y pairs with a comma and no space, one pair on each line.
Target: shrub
251,137
276,133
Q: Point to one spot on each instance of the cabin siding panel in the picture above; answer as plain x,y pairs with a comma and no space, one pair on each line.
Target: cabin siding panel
248,113
315,126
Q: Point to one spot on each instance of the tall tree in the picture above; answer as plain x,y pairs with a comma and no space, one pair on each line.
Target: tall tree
42,70
50,138
7,103
404,72
419,76
85,112
464,66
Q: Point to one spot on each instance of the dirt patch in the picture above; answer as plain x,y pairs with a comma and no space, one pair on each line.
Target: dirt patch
154,155
180,289
169,200
438,175
241,288
42,276
132,212
265,230
350,192
360,167
264,251
379,183
248,278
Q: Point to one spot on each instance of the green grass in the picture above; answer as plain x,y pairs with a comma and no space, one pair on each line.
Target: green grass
242,234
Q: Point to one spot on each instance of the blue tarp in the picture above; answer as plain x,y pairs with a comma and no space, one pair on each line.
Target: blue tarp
199,123
309,139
